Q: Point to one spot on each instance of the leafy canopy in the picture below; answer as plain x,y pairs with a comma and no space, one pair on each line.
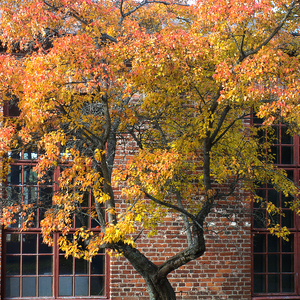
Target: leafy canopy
75,68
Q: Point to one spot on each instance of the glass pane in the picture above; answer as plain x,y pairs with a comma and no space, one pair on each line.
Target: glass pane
259,216
29,243
29,265
45,265
273,283
287,155
65,265
30,194
15,175
43,248
81,286
288,285
287,263
273,196
97,286
288,246
46,194
12,287
259,243
65,286
82,219
290,174
30,153
274,263
259,263
288,219
275,154
13,243
30,177
81,266
285,137
273,243
274,135
97,265
12,265
29,287
45,286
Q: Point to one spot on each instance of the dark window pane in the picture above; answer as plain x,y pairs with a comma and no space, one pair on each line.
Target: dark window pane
273,283
81,286
45,286
287,155
274,263
288,219
259,216
290,174
82,219
46,194
15,175
65,265
85,200
285,137
97,286
275,154
29,265
81,266
288,283
45,265
273,196
273,243
97,265
13,243
12,287
12,265
65,286
29,243
43,248
29,287
259,243
257,120
274,134
259,263
288,246
287,263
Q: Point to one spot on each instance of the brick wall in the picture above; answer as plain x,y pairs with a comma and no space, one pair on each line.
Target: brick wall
223,272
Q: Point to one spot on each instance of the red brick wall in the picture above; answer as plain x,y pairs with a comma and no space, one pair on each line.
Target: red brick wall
223,272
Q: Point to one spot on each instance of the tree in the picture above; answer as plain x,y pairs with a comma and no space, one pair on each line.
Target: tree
201,71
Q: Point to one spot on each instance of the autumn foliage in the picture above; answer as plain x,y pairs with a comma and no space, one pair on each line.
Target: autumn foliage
201,69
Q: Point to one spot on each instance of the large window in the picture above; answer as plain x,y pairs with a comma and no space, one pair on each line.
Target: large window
275,261
32,269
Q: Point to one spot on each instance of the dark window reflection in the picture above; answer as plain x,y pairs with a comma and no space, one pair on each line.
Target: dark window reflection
12,265
29,243
273,283
65,265
97,265
259,243
97,286
29,265
273,243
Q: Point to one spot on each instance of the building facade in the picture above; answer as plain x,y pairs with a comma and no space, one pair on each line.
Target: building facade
242,260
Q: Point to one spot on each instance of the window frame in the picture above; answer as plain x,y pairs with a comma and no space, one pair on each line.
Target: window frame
295,167
56,253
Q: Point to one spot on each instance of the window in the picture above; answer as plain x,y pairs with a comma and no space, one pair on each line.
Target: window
31,269
274,261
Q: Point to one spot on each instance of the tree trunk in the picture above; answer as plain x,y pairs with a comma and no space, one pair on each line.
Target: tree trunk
159,287
160,290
